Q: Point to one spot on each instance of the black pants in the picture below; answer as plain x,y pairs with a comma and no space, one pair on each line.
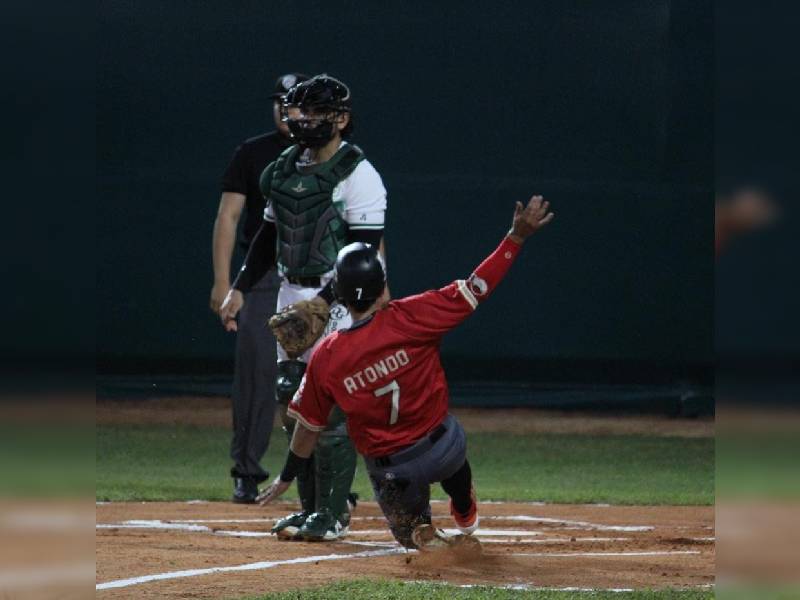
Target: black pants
254,380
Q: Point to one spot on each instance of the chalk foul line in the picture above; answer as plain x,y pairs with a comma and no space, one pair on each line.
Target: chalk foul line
257,566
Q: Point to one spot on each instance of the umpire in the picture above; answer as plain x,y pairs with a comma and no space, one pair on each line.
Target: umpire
254,374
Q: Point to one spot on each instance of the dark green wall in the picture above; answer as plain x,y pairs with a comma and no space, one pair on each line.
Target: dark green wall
463,107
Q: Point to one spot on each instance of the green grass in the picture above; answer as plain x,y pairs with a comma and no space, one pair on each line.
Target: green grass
47,460
765,591
397,590
758,465
159,462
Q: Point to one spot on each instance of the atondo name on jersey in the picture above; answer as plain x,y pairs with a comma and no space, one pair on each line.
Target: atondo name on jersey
382,368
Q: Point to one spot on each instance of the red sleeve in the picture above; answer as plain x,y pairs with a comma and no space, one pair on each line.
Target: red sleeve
434,313
311,405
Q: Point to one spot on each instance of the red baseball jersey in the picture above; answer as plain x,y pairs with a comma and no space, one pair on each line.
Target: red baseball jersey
385,373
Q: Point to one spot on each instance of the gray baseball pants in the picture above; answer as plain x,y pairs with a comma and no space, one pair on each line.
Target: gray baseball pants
402,481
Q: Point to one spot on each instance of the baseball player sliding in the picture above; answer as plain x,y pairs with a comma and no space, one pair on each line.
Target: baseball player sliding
384,373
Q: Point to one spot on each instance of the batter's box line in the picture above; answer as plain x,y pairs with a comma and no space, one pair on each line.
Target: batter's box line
569,523
488,535
157,524
518,518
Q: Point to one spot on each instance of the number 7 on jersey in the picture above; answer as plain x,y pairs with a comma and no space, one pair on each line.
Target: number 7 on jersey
394,388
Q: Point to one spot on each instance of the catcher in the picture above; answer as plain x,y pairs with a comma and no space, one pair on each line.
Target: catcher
322,194
384,373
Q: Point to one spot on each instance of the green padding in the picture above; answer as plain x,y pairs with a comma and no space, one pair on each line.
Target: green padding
335,461
337,425
310,229
290,373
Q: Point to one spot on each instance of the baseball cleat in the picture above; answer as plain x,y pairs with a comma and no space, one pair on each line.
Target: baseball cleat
428,538
467,523
322,526
288,528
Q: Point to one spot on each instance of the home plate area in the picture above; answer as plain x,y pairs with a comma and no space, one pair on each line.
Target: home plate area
174,549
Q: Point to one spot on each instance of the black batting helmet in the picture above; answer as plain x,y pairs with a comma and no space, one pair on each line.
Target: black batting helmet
359,276
319,101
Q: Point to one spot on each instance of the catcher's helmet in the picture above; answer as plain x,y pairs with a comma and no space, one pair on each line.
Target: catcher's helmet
311,107
359,276
286,82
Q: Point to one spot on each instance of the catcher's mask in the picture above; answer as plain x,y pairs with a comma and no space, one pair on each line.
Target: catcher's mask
359,276
310,110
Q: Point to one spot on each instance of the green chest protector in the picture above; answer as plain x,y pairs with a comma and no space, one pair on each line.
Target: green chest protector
310,228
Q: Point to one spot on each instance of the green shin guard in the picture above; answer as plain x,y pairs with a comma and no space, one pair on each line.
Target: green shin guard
335,468
336,471
335,465
345,458
306,486
288,528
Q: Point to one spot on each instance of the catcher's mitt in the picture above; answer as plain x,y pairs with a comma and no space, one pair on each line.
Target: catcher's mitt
298,326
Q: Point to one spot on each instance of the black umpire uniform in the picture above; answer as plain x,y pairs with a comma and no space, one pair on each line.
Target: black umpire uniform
255,371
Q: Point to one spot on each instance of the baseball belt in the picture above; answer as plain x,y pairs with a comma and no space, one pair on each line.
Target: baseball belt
410,452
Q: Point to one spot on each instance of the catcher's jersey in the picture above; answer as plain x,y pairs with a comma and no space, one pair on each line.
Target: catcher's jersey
360,198
385,373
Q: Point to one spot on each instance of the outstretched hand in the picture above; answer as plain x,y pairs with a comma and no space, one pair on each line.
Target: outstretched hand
275,489
527,220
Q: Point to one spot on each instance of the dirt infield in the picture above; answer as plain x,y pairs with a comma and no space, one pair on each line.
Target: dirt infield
199,549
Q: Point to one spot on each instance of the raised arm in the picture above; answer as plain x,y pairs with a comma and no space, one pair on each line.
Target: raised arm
529,219
525,222
433,313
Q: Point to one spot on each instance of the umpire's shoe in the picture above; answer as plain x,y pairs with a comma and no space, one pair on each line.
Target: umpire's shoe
288,528
322,526
245,490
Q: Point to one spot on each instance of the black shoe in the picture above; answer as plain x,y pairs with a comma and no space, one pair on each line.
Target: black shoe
245,490
288,528
352,501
